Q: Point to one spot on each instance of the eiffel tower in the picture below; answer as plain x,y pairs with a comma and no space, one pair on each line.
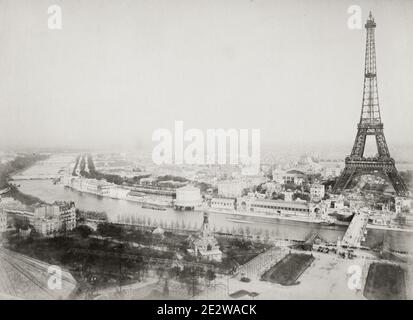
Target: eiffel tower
370,124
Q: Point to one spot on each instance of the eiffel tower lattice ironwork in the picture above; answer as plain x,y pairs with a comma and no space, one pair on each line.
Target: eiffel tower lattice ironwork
370,124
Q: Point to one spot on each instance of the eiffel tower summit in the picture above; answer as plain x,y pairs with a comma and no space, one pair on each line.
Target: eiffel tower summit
356,164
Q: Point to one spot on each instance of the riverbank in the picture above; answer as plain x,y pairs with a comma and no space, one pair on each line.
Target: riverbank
13,167
23,198
120,210
17,165
271,217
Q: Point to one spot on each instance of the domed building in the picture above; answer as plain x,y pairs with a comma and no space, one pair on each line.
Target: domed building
188,197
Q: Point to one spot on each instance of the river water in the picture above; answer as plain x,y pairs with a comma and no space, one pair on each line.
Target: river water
49,192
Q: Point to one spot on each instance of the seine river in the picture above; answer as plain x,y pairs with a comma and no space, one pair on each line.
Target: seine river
49,192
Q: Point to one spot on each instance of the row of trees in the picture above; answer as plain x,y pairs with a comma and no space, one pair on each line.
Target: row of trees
76,165
191,276
93,174
116,179
177,225
93,215
262,234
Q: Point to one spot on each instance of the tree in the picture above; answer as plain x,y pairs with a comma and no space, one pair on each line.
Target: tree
174,272
183,226
160,272
279,196
191,278
108,229
82,165
267,235
84,231
166,288
210,276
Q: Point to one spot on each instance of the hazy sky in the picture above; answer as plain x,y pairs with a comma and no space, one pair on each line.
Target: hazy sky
118,70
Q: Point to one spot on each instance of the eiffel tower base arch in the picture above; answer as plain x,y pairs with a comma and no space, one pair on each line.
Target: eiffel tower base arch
364,166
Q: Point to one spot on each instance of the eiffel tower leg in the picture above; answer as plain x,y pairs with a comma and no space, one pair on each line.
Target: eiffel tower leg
382,148
359,143
344,179
396,180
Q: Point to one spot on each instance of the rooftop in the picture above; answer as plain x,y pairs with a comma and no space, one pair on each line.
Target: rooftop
298,204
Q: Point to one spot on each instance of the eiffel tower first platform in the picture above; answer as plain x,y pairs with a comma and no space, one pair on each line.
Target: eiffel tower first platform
370,124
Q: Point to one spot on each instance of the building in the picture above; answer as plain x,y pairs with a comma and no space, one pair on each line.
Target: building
47,227
154,190
138,193
271,188
317,192
136,196
63,213
379,218
331,172
336,202
402,204
118,192
188,197
288,177
276,207
98,187
234,188
204,245
66,213
288,195
223,203
47,219
277,176
293,177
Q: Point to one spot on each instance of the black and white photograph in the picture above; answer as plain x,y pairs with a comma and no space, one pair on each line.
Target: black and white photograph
188,151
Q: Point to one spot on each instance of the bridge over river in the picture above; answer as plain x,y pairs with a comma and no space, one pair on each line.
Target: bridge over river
36,177
357,229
